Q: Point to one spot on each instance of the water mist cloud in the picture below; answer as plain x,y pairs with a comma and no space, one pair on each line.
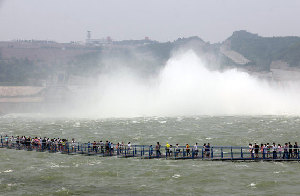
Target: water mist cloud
1,2
186,87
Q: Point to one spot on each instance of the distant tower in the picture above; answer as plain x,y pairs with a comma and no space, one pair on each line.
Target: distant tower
88,35
147,38
108,39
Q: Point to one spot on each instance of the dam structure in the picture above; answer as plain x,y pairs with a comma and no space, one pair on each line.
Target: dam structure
213,153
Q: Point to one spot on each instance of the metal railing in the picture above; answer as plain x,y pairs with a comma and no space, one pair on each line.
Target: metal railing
148,151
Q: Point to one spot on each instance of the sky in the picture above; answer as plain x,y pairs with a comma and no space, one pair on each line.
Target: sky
162,20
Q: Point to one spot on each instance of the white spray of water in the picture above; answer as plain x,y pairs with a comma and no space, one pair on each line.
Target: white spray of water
186,87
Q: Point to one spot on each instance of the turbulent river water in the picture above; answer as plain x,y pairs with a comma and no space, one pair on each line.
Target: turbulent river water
43,173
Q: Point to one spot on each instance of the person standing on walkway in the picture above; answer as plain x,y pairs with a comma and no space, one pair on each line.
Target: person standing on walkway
112,149
157,149
280,150
150,150
128,147
187,148
177,150
101,147
290,150
196,149
106,147
285,152
168,149
256,149
207,150
251,151
274,149
268,149
296,150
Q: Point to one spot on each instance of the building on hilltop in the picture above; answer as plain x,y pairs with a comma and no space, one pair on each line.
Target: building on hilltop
97,42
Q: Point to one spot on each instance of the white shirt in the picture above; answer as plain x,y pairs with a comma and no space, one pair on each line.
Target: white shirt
251,149
195,147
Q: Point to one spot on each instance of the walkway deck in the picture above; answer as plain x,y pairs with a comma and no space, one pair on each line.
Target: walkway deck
214,153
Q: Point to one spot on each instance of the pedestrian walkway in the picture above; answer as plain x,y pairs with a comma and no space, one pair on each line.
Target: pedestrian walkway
212,153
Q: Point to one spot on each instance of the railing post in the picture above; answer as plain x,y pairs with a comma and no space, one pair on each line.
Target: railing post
166,153
222,153
231,153
174,154
143,150
133,151
193,153
242,153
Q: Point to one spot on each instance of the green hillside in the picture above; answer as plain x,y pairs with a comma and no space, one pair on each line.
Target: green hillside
147,57
263,50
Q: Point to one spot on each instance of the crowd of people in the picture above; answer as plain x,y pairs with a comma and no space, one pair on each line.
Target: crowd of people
107,147
37,143
61,145
286,151
186,150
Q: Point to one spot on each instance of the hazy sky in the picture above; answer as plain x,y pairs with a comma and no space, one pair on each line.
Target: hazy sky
163,20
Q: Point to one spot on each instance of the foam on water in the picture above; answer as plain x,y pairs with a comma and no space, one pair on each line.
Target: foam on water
253,185
94,175
8,171
176,176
